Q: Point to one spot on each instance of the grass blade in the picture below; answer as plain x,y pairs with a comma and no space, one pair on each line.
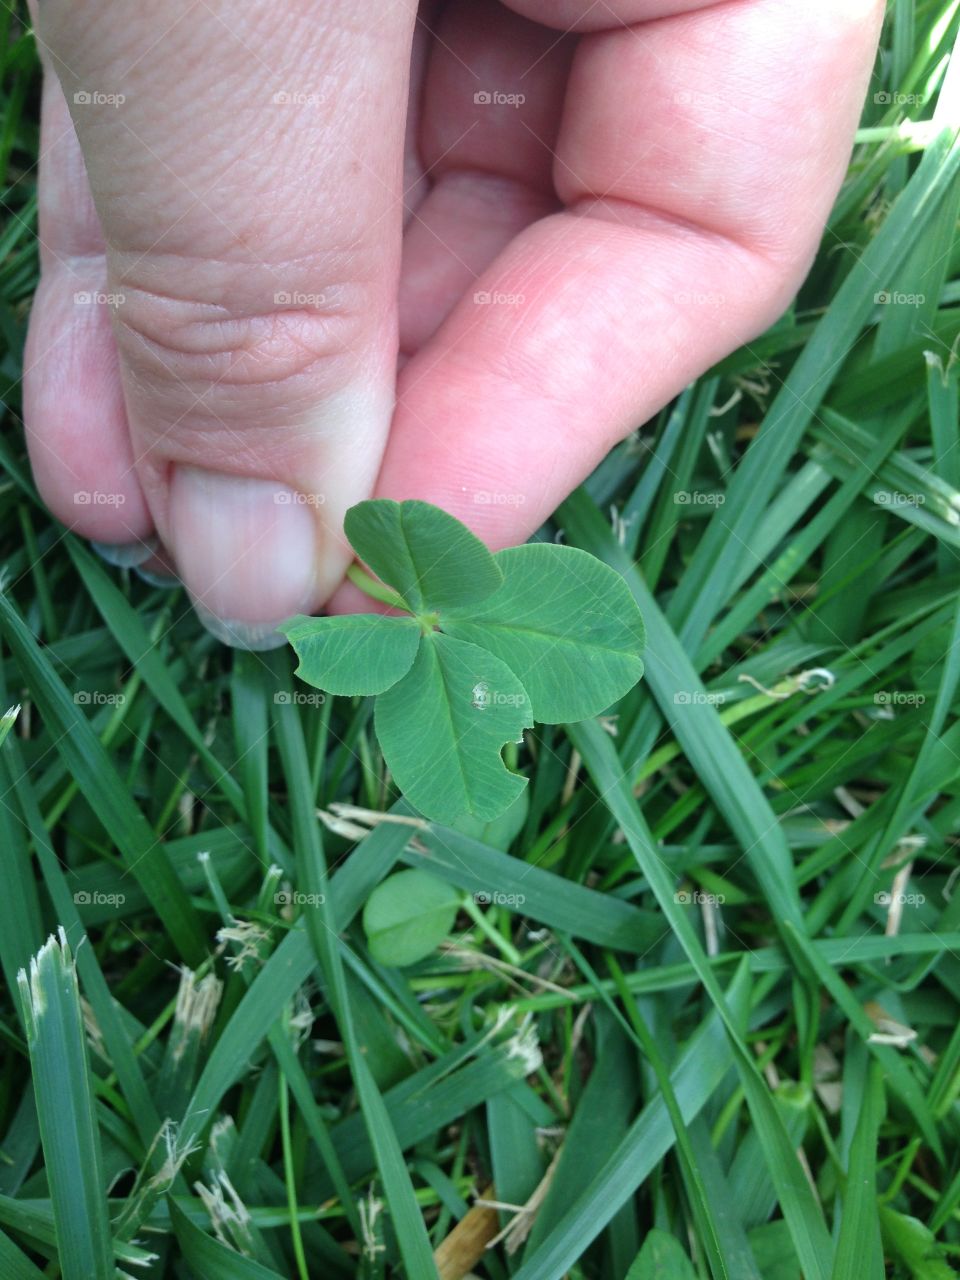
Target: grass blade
108,797
50,1000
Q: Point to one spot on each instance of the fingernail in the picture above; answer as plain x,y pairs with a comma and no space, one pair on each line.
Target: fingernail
126,555
158,571
247,550
240,635
165,581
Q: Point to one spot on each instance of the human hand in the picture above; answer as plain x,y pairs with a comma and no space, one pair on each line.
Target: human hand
565,266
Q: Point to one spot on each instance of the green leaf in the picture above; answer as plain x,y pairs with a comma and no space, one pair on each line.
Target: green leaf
442,728
50,999
407,916
699,1070
797,1199
914,1245
105,792
8,720
565,623
531,891
411,1233
560,630
361,653
212,1258
859,1254
500,832
661,1258
15,1263
428,556
708,744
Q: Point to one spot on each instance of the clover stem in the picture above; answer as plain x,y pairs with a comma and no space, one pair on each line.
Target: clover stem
371,587
509,952
428,622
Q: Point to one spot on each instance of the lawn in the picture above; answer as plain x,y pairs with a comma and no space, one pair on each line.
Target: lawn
689,1008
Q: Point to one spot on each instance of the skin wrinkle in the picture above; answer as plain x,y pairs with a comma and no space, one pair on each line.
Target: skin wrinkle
261,350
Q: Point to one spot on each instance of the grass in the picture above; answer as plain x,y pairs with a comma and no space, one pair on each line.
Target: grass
699,1014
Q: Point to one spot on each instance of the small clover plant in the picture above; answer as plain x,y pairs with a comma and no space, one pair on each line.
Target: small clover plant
490,643
407,916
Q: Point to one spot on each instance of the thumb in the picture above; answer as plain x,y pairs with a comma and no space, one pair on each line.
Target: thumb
246,167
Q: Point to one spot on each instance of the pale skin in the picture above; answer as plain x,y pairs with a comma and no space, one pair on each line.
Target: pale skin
305,295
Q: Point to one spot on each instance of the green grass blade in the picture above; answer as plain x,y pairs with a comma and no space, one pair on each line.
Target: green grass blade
700,1068
210,1258
695,722
50,1000
412,1237
859,1254
15,1263
99,782
800,1208
728,538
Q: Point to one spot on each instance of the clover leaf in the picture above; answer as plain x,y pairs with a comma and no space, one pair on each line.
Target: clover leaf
495,642
442,728
432,560
407,916
358,654
565,623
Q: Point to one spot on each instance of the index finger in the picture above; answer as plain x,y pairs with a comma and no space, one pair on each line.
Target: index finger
698,158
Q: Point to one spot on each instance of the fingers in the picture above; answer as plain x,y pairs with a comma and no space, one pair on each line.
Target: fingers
75,418
490,111
249,186
698,159
587,15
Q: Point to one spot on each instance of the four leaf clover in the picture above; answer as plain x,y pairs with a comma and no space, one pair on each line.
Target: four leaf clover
489,644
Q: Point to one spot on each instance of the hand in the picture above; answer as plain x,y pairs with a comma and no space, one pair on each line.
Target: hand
603,197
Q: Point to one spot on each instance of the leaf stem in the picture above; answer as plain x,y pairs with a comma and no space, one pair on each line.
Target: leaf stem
371,587
506,949
296,1238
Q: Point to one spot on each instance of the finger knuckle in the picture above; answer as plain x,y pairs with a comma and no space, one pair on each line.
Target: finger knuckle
204,326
